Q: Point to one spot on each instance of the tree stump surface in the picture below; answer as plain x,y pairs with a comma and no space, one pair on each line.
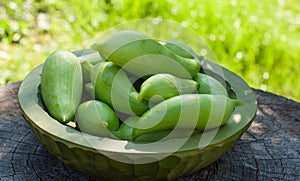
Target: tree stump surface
269,150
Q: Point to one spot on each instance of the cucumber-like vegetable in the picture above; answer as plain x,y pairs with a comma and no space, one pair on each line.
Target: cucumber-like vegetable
96,118
142,55
180,48
125,130
188,111
113,87
209,85
164,86
61,85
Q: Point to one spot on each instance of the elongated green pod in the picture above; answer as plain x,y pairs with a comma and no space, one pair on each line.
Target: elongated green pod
96,118
113,87
125,130
89,87
142,55
209,85
164,86
180,48
165,134
61,85
189,111
88,59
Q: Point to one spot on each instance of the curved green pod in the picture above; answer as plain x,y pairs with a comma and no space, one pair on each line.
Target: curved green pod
209,85
164,86
113,87
189,111
180,48
126,129
96,118
142,55
61,85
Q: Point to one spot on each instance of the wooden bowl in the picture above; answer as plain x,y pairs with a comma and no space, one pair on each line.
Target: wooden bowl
117,159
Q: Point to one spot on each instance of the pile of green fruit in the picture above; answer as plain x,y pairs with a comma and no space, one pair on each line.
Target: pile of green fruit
157,86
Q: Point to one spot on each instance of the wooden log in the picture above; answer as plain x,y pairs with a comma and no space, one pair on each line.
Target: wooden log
269,150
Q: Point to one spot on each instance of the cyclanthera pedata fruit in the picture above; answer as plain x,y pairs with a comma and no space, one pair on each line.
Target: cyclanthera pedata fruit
61,85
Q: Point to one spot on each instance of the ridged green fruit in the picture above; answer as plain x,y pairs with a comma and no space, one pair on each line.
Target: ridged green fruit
189,111
164,86
61,85
209,85
113,87
142,55
96,118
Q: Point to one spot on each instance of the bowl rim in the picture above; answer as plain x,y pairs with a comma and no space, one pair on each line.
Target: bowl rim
29,103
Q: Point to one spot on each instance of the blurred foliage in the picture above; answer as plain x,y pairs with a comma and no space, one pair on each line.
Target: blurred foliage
258,40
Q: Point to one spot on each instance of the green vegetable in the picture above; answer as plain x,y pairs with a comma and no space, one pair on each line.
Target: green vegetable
165,134
96,118
61,85
189,111
209,85
142,55
113,87
180,48
125,130
164,86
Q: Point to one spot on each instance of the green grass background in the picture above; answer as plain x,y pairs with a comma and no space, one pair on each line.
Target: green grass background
258,40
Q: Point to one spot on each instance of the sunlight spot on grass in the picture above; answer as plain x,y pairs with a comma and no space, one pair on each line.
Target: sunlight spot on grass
4,55
283,38
16,37
43,21
267,35
2,31
281,2
174,11
239,55
222,37
193,13
266,75
212,37
234,2
13,6
237,24
291,27
253,19
202,14
14,26
72,19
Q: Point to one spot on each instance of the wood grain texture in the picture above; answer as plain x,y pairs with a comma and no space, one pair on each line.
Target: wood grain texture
269,150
